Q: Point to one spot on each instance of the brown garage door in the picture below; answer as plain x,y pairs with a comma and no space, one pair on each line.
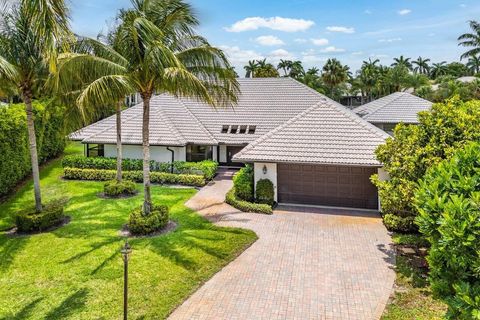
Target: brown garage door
338,186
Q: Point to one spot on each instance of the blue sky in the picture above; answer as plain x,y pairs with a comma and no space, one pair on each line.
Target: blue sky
315,30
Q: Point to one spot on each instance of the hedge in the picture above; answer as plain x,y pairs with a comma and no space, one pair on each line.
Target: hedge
206,168
114,188
243,182
138,224
29,220
137,176
265,192
15,155
246,206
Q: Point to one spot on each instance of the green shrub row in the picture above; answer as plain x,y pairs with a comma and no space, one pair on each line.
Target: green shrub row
265,192
400,224
137,176
115,189
138,224
243,182
246,206
15,156
206,168
29,220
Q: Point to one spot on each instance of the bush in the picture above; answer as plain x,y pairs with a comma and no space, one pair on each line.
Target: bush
206,168
136,176
15,162
399,224
265,192
138,224
414,149
448,201
29,220
115,189
246,206
243,182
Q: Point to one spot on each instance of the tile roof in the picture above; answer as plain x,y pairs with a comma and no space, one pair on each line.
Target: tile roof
395,108
326,133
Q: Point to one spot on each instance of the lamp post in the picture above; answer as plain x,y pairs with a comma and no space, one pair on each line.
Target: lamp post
126,251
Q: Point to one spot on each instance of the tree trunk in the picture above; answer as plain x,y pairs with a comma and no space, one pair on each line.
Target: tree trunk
119,140
147,201
32,140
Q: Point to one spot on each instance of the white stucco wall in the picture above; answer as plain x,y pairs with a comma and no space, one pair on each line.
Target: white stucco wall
382,176
223,154
157,153
271,174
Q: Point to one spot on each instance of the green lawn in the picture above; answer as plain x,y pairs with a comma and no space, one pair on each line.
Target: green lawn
75,272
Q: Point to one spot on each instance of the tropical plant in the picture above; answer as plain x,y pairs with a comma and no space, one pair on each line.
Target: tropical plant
402,61
417,80
334,73
296,69
156,50
251,68
473,64
438,69
285,65
266,70
397,78
31,32
421,65
471,40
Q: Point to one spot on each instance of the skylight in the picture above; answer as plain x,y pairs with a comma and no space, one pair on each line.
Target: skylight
238,129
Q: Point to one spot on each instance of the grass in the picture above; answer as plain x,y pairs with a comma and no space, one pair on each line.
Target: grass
413,297
76,271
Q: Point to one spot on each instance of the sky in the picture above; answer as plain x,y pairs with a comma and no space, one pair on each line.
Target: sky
314,30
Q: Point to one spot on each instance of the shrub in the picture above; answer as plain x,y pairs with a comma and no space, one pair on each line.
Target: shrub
136,176
265,192
15,156
448,201
243,182
206,168
400,224
138,224
114,188
29,220
414,149
246,206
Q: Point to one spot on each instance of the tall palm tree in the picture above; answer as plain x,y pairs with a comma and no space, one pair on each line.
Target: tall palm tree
473,64
285,65
251,68
471,40
370,63
296,69
421,65
313,71
262,63
334,73
402,61
31,31
438,69
155,50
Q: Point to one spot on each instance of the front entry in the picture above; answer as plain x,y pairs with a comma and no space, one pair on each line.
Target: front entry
231,151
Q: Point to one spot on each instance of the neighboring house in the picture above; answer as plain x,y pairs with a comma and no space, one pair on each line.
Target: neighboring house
389,111
313,149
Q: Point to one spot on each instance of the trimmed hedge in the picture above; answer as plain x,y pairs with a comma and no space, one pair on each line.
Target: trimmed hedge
137,176
29,220
243,182
206,168
400,224
138,224
15,155
115,189
246,206
264,192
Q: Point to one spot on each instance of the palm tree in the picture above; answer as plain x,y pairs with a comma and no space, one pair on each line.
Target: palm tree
30,34
251,68
421,65
284,65
473,64
262,63
438,69
313,71
155,50
334,73
296,69
402,61
370,63
471,40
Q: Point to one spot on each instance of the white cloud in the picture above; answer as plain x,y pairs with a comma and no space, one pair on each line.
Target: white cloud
463,5
367,11
332,49
313,59
300,40
379,56
274,23
341,29
269,41
357,53
320,42
275,56
404,12
390,40
237,56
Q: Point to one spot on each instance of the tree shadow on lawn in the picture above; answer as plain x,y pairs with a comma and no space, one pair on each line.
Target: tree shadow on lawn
26,311
9,248
69,306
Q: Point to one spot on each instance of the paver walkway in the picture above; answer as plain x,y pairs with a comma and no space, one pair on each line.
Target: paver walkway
308,263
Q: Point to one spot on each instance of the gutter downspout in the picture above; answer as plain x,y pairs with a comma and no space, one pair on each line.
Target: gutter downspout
173,158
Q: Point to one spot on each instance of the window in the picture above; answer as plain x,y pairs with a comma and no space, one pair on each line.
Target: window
238,129
251,129
243,129
95,150
233,129
225,129
199,153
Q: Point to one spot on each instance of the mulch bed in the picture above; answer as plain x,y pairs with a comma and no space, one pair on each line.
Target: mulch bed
171,226
14,233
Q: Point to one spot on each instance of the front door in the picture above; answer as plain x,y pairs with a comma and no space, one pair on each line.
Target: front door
231,151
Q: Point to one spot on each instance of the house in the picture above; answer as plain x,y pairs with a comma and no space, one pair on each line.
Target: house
313,149
389,111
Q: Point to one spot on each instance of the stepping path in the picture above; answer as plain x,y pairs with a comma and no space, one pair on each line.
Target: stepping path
308,263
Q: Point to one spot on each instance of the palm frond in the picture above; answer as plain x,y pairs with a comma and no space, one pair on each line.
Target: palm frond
8,72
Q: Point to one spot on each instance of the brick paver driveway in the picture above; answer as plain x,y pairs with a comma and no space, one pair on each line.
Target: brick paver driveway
308,263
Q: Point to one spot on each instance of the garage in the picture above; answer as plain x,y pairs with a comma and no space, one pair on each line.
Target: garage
327,185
